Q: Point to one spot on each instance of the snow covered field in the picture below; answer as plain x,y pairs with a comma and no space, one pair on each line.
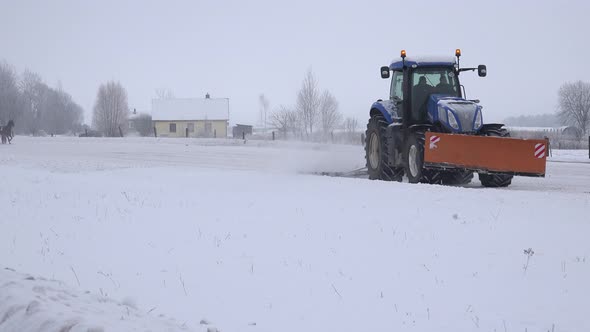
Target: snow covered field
237,236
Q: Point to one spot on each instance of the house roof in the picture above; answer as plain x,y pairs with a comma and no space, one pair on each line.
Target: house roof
190,109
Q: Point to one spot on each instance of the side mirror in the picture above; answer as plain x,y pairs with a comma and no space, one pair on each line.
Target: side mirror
482,70
384,72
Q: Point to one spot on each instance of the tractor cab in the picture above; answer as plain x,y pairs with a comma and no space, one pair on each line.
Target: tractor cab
418,82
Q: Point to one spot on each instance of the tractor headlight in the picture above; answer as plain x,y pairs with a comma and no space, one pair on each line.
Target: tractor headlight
477,122
452,120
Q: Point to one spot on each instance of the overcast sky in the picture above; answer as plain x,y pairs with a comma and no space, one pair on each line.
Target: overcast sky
241,49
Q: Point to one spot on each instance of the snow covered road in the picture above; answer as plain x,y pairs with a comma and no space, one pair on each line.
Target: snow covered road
70,154
233,234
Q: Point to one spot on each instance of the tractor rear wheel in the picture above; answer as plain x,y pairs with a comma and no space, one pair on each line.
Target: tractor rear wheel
376,151
495,180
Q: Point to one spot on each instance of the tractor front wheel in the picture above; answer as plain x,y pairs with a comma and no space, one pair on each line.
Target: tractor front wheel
414,161
414,157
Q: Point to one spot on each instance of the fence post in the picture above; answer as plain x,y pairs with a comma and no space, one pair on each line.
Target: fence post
243,135
120,131
214,133
155,132
86,132
273,135
186,132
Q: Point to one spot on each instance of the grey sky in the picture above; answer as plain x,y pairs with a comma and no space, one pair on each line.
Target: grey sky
240,49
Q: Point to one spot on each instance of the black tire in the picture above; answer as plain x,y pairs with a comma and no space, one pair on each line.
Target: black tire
414,157
495,180
376,151
457,177
431,176
414,164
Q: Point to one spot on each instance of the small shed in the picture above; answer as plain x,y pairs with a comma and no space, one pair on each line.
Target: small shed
239,130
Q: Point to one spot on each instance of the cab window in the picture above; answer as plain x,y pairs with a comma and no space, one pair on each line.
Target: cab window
397,85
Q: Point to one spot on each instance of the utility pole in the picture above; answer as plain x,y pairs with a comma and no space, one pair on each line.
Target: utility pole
227,126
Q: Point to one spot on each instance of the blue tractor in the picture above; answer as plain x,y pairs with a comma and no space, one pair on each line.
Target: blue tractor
427,97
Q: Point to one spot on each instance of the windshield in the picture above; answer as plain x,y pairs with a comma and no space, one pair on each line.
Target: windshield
436,81
427,81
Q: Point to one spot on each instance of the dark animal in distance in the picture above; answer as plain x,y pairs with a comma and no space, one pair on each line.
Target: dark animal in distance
6,132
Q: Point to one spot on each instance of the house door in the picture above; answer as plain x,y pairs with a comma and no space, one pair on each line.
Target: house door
208,129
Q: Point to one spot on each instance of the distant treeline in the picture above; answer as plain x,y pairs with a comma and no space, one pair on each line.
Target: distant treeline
542,120
35,107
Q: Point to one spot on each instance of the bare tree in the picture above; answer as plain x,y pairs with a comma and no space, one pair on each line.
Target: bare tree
110,109
574,106
143,124
59,113
11,101
35,94
162,93
285,120
330,118
350,125
264,105
308,102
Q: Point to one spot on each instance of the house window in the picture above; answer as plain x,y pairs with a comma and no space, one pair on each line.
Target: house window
191,127
173,127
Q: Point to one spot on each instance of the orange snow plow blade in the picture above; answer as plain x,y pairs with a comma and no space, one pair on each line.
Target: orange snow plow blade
486,153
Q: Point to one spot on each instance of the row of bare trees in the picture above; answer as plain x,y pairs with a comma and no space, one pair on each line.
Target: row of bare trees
35,107
38,109
314,116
